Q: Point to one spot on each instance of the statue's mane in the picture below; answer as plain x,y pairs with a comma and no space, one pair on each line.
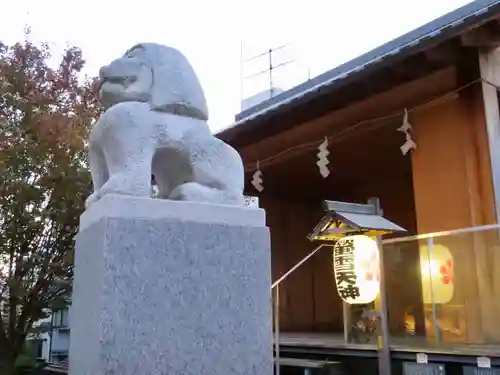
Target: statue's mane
176,88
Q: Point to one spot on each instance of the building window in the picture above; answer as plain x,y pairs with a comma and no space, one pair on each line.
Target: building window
59,356
61,318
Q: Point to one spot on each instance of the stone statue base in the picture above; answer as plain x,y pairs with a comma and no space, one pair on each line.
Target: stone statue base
168,287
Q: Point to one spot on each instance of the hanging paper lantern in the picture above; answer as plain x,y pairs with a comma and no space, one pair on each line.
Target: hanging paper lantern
357,269
436,269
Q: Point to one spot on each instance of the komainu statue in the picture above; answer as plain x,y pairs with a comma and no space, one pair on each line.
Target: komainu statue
156,124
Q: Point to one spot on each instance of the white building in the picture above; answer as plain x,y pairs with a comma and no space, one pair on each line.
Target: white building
55,342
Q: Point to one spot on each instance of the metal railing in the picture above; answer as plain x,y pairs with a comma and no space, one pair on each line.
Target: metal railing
441,234
429,237
276,287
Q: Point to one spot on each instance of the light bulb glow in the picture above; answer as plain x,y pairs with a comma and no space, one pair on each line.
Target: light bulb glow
436,269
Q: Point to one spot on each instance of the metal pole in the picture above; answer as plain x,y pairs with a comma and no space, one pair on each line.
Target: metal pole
384,360
277,330
437,333
385,351
51,334
347,321
292,270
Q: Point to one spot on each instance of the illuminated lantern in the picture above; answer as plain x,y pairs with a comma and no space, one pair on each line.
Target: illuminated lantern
436,269
357,269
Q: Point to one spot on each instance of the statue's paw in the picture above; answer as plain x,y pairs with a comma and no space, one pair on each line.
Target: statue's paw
191,191
195,192
91,199
124,184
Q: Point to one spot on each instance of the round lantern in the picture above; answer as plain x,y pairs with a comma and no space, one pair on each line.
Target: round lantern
357,269
436,268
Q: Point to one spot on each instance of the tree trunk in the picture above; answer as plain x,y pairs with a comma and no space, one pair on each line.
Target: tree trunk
6,366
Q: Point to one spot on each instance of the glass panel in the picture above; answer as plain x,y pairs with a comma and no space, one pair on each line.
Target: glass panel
65,318
444,292
404,293
363,323
311,311
56,318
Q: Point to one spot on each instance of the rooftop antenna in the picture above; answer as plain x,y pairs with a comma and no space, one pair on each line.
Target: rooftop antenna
271,67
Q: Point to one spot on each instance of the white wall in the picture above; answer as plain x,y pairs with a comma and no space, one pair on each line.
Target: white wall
45,346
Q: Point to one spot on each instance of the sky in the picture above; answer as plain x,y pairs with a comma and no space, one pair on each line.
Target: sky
218,36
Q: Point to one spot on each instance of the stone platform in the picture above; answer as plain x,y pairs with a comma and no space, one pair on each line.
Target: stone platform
165,287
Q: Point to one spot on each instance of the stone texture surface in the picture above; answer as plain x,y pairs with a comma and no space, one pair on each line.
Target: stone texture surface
120,206
156,123
171,296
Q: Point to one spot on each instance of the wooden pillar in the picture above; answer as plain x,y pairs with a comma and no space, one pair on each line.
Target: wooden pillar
453,188
451,171
488,245
489,67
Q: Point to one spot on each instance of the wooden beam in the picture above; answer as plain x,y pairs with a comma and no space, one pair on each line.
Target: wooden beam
486,36
407,95
446,53
414,66
378,82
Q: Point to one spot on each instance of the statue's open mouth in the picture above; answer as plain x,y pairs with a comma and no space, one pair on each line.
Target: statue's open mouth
124,81
117,80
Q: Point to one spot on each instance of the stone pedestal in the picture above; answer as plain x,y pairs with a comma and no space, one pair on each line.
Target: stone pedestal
164,287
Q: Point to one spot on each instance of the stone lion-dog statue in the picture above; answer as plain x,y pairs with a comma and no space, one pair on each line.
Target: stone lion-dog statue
155,124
